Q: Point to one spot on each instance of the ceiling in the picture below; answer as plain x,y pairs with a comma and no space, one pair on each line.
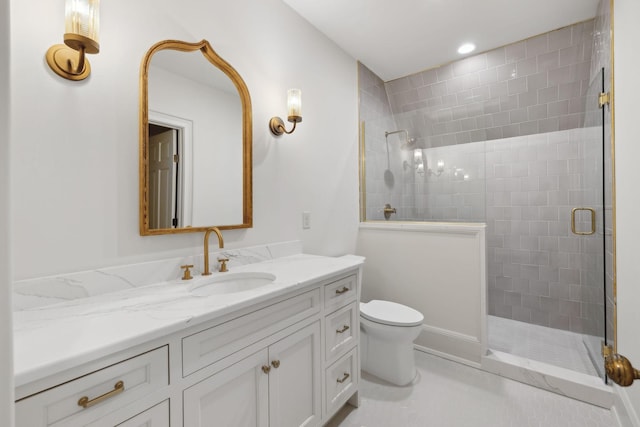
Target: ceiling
395,38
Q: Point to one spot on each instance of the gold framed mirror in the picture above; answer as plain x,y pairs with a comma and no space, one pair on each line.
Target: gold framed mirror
195,141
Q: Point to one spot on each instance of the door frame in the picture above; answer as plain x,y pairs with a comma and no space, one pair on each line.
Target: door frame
185,148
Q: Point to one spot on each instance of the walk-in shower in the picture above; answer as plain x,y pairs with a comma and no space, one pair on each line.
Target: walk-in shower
514,138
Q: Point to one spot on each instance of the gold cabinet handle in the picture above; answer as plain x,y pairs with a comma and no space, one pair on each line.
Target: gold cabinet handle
593,221
344,378
275,364
266,368
343,330
342,291
85,402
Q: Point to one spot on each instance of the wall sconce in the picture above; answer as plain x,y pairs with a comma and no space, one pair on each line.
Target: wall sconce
439,168
294,108
82,24
459,172
418,163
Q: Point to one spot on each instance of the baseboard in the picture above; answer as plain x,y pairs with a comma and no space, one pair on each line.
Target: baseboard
450,345
558,380
447,356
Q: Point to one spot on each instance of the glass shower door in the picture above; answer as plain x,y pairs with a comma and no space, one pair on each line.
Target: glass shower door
589,229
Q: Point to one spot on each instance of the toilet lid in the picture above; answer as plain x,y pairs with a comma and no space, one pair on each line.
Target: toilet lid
390,313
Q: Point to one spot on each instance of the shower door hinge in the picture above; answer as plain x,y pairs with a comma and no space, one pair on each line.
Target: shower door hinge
604,99
607,350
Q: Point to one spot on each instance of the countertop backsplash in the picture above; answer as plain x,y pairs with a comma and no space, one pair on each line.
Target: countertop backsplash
43,291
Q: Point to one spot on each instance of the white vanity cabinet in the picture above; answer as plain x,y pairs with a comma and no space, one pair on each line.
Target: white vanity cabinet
287,361
277,386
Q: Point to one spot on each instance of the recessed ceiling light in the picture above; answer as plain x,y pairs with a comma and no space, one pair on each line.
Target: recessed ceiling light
466,48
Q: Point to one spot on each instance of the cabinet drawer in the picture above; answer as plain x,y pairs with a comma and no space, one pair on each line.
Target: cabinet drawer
156,416
340,292
341,380
211,345
61,405
341,331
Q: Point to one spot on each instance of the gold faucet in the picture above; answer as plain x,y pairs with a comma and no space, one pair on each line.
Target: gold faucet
187,273
206,271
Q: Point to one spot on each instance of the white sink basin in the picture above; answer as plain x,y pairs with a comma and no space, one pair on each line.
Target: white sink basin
230,283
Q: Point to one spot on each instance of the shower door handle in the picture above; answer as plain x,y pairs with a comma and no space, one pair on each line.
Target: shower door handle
573,222
620,370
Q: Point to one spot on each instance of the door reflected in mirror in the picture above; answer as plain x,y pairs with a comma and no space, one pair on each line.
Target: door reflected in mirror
195,141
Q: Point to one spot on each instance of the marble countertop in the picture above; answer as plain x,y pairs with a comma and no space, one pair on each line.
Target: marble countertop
53,338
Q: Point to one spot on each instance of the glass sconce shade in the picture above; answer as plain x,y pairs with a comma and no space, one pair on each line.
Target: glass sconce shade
82,25
294,105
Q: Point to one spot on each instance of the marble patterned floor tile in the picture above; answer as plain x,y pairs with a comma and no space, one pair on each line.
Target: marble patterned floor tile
449,394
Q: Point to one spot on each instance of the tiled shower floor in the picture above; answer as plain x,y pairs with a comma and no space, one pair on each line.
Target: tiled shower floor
553,346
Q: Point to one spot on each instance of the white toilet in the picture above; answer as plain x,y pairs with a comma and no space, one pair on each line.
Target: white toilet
387,331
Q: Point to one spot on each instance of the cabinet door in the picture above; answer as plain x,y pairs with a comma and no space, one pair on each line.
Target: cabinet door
294,380
236,396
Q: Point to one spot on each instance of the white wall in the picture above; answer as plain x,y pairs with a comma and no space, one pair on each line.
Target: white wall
75,144
6,340
418,265
627,155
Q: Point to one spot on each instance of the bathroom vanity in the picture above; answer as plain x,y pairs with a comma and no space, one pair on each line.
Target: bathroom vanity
280,352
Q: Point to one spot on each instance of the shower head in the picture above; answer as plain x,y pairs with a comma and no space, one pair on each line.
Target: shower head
406,134
408,143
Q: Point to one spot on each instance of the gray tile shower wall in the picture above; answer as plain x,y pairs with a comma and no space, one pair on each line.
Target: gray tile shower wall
385,162
538,271
533,86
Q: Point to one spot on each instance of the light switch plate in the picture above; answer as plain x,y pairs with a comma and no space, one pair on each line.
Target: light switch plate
306,220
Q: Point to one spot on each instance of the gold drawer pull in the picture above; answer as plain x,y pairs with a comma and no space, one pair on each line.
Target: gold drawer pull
342,291
343,379
266,368
343,330
86,403
275,364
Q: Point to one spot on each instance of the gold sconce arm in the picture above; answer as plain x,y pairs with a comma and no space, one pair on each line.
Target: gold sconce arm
620,370
69,63
276,125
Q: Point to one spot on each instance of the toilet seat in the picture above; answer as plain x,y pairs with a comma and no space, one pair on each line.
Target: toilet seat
390,313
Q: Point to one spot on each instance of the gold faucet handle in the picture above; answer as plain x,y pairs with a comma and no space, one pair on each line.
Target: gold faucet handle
223,264
187,272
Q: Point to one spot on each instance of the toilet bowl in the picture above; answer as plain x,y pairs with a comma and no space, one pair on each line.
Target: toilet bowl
387,331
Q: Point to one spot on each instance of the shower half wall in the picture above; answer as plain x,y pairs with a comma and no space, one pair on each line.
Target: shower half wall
503,140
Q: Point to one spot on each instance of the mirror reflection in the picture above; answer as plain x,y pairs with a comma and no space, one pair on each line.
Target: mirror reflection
195,141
